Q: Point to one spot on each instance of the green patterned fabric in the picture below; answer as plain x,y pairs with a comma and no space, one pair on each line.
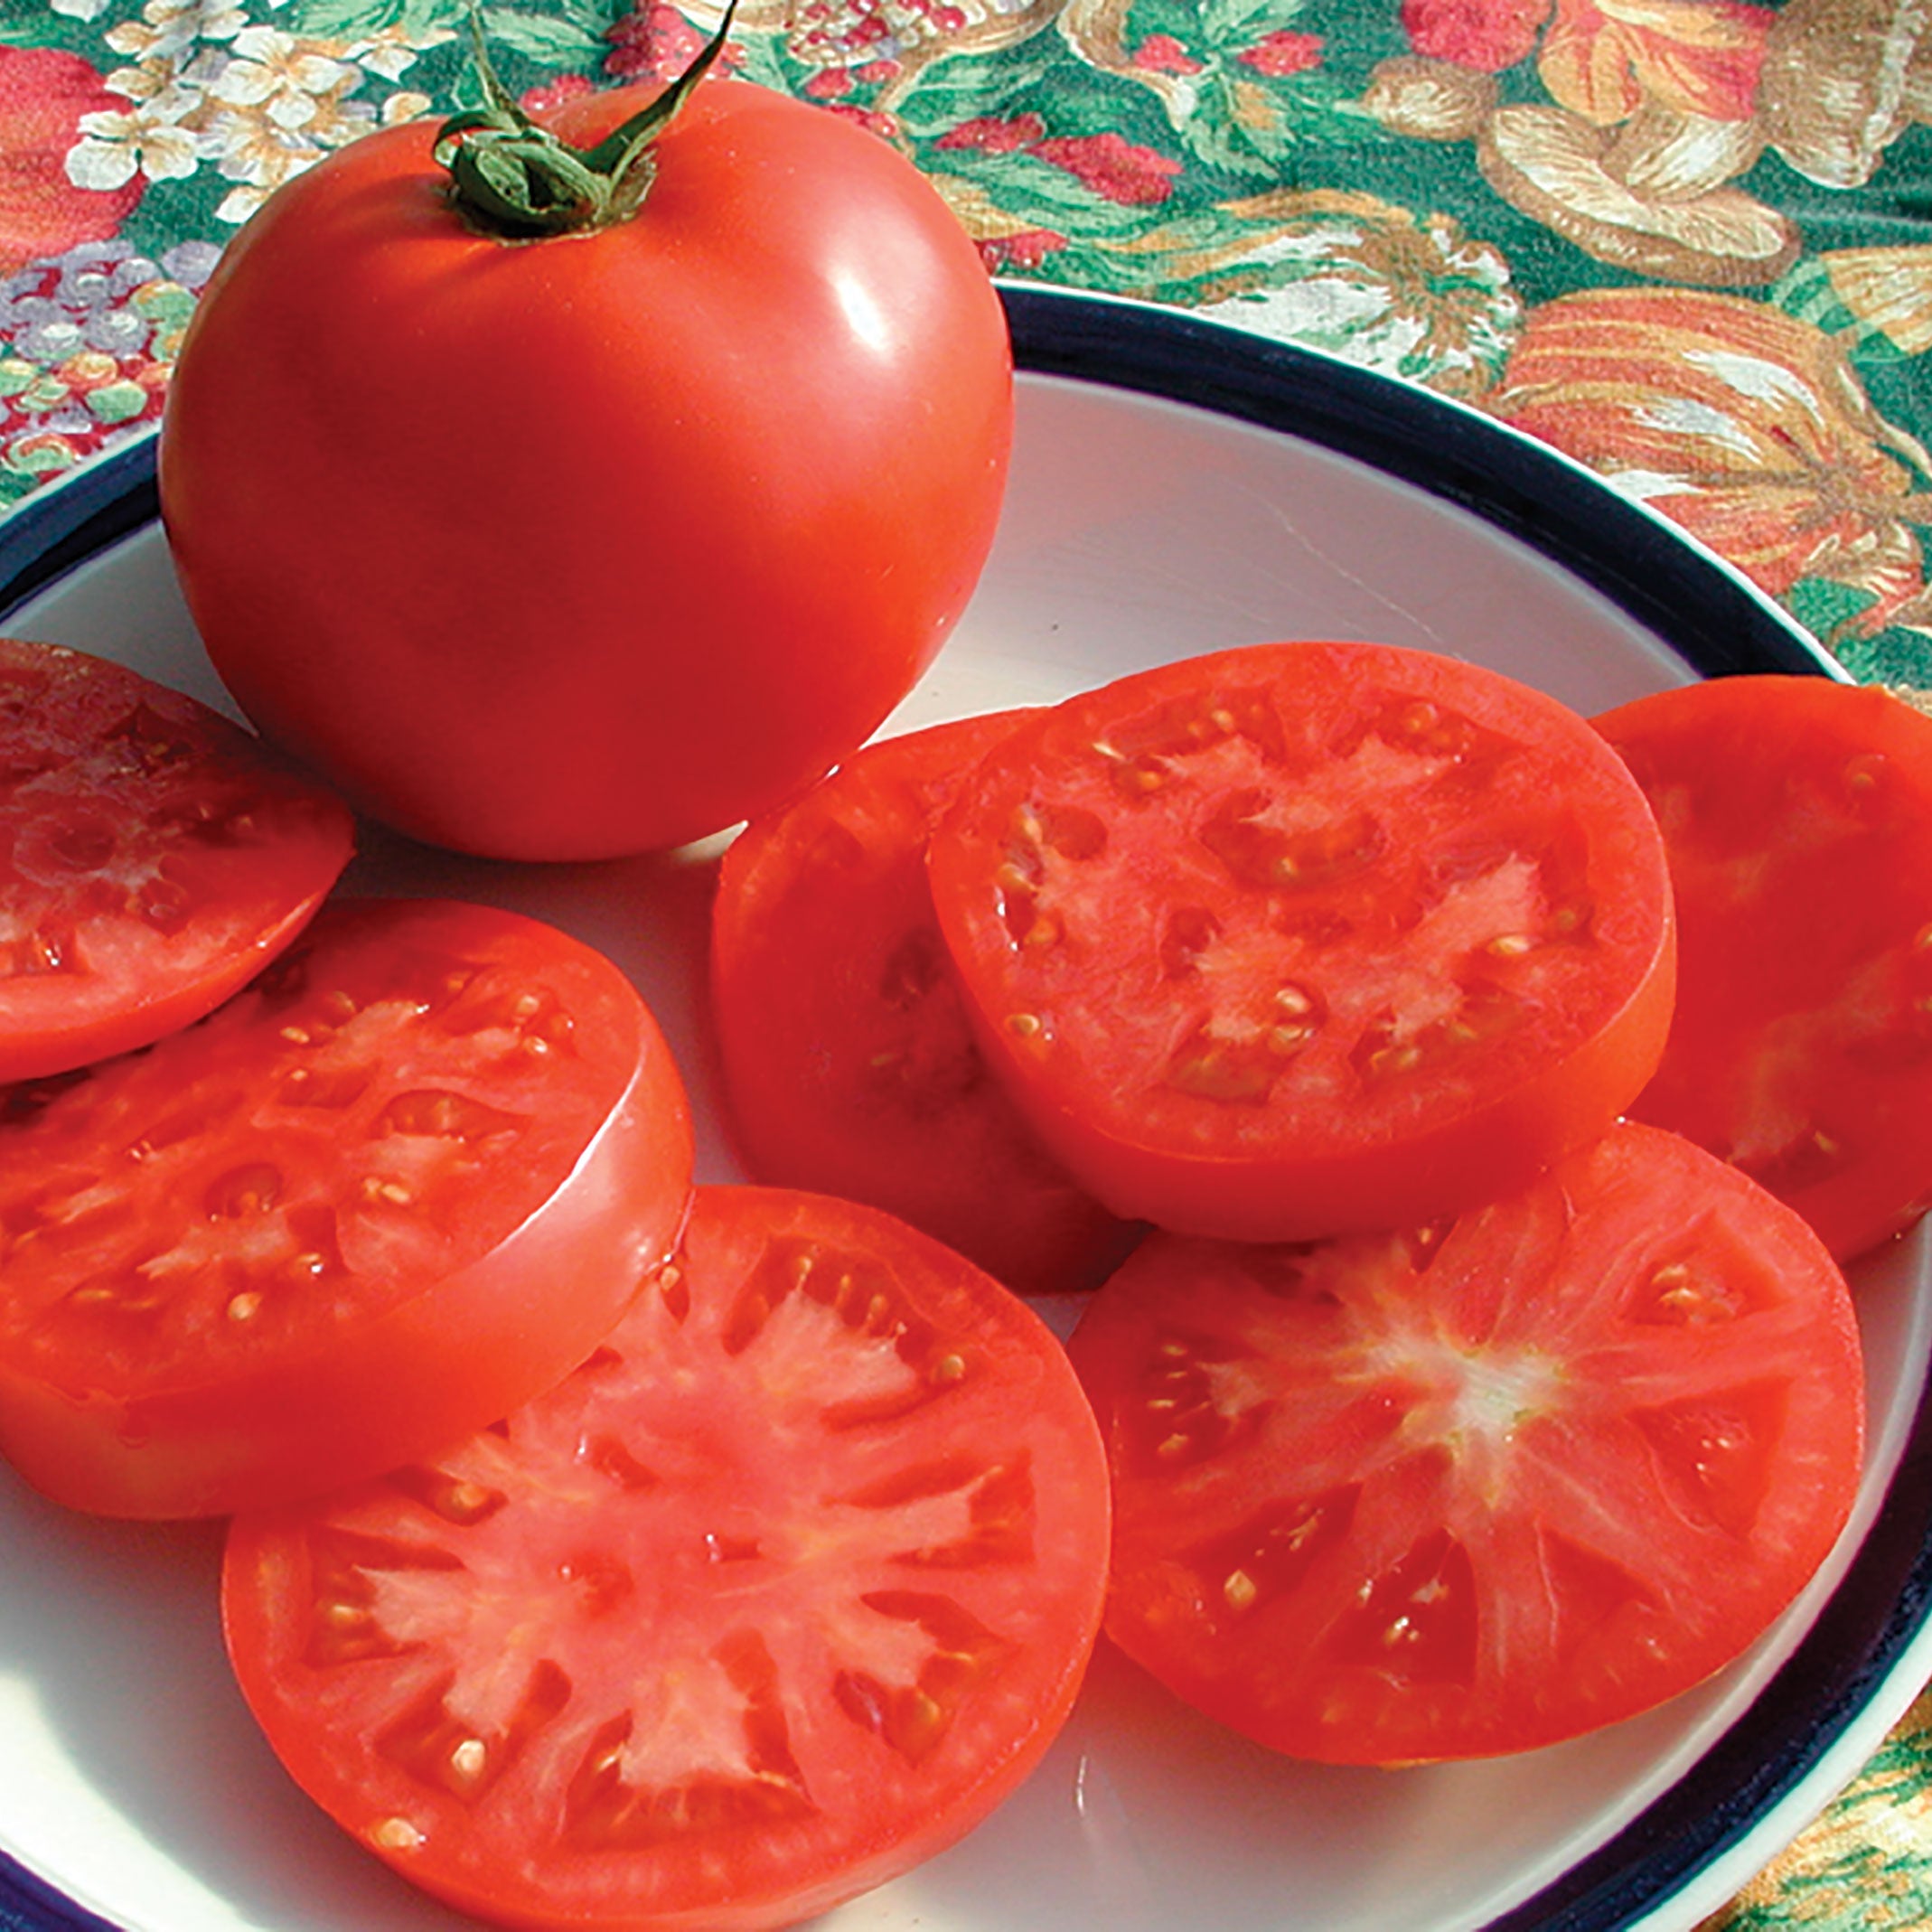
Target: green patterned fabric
1684,240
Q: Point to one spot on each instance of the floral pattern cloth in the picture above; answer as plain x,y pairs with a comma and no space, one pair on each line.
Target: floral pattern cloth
1683,241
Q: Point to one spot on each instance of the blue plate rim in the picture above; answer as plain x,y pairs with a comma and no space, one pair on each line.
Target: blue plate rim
1705,610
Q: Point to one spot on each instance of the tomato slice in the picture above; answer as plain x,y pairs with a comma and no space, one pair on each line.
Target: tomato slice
850,1066
401,1182
786,1588
1308,937
153,857
1481,1484
1797,816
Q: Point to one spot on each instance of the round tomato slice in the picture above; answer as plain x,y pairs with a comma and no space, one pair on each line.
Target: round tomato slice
781,1592
850,1066
153,857
404,1180
1303,938
1797,816
1486,1484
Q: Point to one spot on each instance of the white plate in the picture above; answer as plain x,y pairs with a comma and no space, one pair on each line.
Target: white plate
1176,487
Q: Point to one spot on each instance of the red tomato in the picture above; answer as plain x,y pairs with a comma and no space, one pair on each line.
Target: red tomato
1482,1485
849,1063
1797,814
1308,937
403,1181
780,1594
153,857
569,548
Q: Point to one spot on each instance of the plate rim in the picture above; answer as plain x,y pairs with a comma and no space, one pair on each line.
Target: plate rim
1879,1614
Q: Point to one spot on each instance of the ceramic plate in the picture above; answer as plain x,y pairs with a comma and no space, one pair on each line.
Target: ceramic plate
1177,487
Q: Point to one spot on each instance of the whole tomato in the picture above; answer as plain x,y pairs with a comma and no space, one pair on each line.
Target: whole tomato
574,545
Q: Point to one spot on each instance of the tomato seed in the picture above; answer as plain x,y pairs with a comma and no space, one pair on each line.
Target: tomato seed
1686,1296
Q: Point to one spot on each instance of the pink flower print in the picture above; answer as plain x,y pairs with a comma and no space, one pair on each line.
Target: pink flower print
1162,53
1282,53
990,135
1121,171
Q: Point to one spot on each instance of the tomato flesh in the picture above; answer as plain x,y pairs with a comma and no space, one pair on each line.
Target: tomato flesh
406,1178
1306,937
153,857
1482,1485
1797,815
785,1589
850,1066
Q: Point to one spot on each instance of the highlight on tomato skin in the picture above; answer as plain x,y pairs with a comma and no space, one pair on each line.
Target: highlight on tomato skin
781,1592
1484,1484
1304,937
849,1063
1797,813
403,1180
157,856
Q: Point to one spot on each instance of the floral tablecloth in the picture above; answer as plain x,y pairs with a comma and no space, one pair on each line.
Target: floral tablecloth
1685,241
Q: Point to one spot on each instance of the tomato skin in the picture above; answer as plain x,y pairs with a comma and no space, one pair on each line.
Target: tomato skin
1481,1486
153,857
850,1066
211,1302
1797,813
1476,882
753,1491
575,547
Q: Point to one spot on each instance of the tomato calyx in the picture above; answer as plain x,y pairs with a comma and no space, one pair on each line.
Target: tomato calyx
512,178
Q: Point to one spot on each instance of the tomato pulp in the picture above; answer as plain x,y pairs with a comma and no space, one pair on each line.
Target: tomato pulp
850,1066
570,548
781,1591
1308,937
1482,1485
399,1184
1797,814
153,857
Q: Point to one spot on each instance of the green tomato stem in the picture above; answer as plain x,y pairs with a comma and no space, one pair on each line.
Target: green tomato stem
513,178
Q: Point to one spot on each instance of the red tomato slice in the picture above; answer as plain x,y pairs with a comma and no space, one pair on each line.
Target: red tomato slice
785,1588
403,1181
153,857
1797,815
849,1063
1308,937
1484,1485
